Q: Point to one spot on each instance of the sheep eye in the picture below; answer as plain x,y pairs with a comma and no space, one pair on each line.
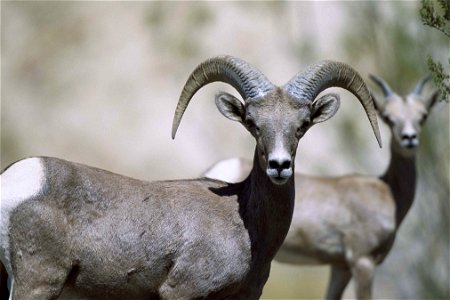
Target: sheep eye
251,125
305,125
388,119
302,129
422,119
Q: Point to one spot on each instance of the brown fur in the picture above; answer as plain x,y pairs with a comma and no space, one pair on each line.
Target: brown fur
350,222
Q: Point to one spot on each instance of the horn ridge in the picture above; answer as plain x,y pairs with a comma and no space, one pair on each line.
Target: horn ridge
325,74
246,79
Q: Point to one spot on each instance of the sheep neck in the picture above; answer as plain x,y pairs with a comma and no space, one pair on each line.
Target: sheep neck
401,176
267,212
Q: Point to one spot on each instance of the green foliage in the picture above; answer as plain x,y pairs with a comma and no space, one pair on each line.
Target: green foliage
440,78
438,17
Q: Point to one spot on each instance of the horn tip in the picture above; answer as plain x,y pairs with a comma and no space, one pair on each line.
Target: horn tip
376,131
174,131
175,124
377,135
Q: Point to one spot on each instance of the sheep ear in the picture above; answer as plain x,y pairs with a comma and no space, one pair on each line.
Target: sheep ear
324,107
230,107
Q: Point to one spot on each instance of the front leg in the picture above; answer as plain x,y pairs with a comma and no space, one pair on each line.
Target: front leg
253,287
340,277
40,255
4,289
363,272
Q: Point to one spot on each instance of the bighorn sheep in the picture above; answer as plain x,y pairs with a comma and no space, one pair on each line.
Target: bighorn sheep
350,222
70,229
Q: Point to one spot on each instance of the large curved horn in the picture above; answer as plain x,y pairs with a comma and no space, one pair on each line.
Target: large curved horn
318,77
419,87
387,91
247,80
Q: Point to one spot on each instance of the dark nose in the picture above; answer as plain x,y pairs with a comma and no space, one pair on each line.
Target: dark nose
279,164
408,137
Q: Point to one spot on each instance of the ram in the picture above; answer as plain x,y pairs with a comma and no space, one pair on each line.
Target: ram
350,222
73,230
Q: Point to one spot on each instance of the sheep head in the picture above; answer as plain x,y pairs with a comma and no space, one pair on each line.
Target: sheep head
277,117
405,115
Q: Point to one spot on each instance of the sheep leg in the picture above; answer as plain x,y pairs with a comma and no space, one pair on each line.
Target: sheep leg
40,261
44,283
4,290
363,272
340,276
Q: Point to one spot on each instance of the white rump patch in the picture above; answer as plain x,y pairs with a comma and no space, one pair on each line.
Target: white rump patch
19,182
229,170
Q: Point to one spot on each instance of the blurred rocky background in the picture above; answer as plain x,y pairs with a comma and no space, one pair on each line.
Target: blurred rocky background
98,82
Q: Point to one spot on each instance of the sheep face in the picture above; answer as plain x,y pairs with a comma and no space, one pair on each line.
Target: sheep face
277,121
405,115
405,118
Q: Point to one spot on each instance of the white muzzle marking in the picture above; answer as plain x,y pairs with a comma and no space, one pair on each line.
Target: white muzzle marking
276,169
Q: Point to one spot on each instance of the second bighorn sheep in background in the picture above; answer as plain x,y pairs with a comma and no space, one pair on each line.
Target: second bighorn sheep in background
71,229
350,221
